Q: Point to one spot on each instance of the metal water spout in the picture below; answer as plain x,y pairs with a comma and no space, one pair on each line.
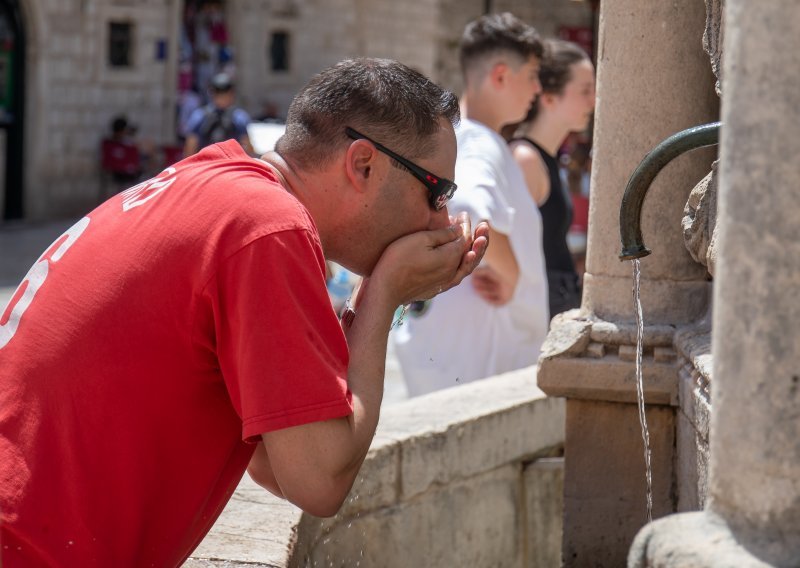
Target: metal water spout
630,213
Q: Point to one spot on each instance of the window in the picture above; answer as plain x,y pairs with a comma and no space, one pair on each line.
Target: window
120,44
279,51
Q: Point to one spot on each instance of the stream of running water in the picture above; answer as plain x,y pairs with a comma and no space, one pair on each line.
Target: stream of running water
640,388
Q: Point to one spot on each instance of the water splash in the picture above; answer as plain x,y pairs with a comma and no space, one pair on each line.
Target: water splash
640,387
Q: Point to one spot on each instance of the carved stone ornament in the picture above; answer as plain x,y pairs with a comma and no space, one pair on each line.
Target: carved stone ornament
700,220
700,214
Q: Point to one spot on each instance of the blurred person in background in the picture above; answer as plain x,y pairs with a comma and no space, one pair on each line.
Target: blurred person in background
219,120
565,105
497,321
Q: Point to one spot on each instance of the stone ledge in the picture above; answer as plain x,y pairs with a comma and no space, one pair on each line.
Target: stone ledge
425,448
255,529
608,379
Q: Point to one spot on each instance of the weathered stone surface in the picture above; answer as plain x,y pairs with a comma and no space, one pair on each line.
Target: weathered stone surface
596,350
255,528
457,479
691,465
569,336
544,497
690,539
616,333
604,479
609,379
663,354
664,301
713,38
652,81
700,220
474,522
466,446
755,428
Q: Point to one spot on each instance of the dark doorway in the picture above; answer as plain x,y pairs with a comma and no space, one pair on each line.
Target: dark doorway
12,97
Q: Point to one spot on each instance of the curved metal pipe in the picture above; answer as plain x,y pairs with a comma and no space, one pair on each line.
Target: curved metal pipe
630,212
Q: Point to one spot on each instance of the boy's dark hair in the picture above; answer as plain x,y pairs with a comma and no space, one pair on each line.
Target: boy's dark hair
383,99
494,34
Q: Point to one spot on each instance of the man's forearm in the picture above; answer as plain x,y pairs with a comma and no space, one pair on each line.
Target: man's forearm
315,464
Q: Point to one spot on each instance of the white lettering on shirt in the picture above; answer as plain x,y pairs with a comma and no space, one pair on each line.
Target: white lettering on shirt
34,279
147,190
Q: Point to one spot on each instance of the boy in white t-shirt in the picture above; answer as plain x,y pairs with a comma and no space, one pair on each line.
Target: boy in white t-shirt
497,321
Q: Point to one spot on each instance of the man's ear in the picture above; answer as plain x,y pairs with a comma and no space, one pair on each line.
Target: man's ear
360,164
498,75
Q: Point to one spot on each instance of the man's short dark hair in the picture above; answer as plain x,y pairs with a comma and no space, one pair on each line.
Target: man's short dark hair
383,99
497,34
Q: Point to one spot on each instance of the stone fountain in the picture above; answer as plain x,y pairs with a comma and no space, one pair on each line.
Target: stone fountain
721,385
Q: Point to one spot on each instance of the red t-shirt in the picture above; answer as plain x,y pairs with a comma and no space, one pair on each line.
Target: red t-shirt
144,353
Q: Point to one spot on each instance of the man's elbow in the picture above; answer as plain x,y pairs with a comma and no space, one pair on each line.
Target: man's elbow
321,502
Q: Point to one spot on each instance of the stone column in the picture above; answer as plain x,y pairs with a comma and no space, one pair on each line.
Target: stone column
653,80
753,515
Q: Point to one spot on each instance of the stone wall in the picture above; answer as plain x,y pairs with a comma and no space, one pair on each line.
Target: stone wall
72,94
469,476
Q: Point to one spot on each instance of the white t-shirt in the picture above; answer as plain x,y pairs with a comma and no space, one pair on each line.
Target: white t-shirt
459,337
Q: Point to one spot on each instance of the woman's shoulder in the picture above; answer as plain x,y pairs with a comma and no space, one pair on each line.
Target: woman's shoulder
526,154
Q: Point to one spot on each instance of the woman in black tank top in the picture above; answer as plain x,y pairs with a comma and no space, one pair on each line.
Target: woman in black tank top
565,105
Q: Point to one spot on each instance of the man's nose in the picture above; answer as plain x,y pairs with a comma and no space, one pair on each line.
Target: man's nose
439,219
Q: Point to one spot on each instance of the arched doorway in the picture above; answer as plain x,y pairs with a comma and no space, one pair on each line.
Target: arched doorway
12,97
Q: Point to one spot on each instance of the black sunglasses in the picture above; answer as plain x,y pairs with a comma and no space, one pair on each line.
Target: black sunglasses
440,189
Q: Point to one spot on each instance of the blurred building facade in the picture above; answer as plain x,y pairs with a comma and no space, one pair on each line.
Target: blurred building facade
67,67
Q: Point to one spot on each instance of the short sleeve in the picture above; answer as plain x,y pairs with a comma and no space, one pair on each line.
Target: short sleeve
281,349
479,176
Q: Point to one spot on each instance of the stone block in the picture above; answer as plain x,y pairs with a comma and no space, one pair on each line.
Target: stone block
663,354
544,510
694,402
628,353
604,479
608,379
470,523
377,484
596,350
686,472
515,421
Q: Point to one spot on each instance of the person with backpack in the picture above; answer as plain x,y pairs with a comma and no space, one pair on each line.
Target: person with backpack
218,121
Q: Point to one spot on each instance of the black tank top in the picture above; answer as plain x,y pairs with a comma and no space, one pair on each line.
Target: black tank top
556,217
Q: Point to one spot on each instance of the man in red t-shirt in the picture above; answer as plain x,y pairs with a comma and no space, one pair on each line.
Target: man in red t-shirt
181,332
